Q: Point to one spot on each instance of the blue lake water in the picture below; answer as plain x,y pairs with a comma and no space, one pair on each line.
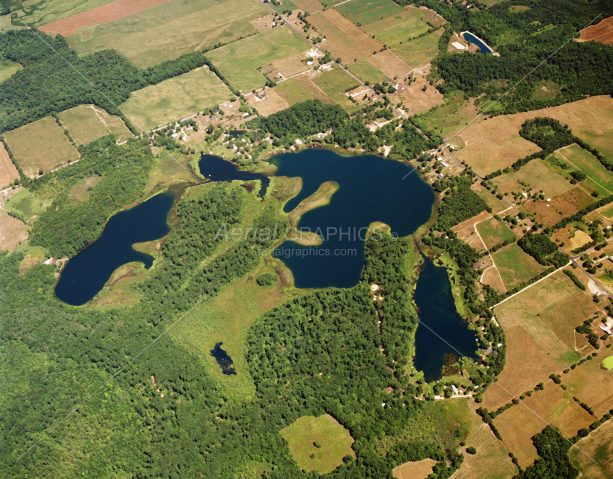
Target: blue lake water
86,273
483,48
371,189
215,168
223,359
442,332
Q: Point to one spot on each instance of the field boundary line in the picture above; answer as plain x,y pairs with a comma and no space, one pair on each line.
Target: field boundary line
495,382
530,285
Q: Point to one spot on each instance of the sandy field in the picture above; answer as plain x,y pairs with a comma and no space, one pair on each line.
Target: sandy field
8,172
602,32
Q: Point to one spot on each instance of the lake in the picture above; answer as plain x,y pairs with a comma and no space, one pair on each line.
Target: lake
483,48
215,168
223,359
442,332
371,189
86,273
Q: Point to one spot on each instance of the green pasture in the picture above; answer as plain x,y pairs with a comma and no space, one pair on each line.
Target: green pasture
366,72
368,11
239,61
175,98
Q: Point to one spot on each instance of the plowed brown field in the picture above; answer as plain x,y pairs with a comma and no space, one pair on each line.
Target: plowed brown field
603,32
96,16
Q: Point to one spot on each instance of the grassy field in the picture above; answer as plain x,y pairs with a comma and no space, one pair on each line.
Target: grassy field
343,38
27,204
366,72
335,84
240,60
309,6
552,406
592,384
599,177
40,145
537,175
563,318
169,30
47,11
515,266
599,447
493,232
414,470
560,206
8,68
87,123
293,91
399,28
175,98
333,443
491,199
368,11
450,117
419,51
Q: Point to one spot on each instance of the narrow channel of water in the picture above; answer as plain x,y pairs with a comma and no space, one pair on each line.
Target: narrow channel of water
86,273
215,168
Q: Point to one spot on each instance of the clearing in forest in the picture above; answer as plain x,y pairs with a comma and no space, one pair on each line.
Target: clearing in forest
241,61
343,38
602,32
515,265
41,145
552,406
87,123
414,470
318,443
493,232
175,98
8,172
171,29
8,68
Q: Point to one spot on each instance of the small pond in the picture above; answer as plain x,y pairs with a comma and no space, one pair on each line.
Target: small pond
223,359
483,48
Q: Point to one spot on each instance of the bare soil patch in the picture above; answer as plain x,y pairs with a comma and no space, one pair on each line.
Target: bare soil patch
552,406
8,172
603,32
271,103
287,67
12,231
415,100
527,365
414,470
99,15
389,64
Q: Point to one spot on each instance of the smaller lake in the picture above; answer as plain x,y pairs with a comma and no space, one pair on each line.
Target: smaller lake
483,48
86,273
442,332
223,359
215,168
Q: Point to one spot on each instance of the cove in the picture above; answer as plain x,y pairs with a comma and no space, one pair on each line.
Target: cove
86,273
215,168
483,48
442,331
371,189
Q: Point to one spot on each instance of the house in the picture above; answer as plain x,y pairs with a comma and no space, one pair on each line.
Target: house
606,328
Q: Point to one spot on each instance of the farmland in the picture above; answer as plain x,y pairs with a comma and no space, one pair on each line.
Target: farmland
566,204
450,117
366,72
47,11
12,232
41,145
365,12
343,38
294,90
515,266
495,143
538,175
399,28
593,455
175,98
389,64
335,84
602,32
552,406
598,177
166,31
414,470
420,50
239,61
87,123
27,204
8,172
493,232
318,443
8,69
